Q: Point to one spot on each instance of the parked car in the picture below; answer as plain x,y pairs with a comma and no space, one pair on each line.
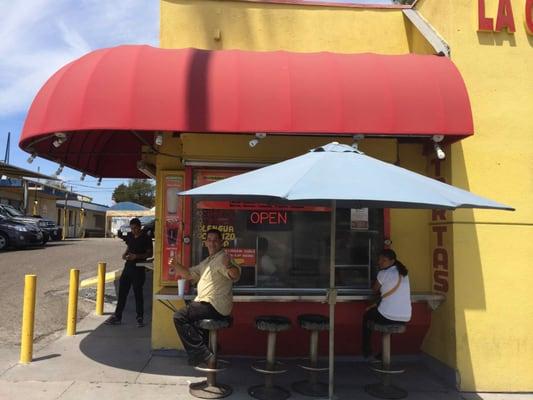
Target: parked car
50,230
17,234
55,231
147,225
11,213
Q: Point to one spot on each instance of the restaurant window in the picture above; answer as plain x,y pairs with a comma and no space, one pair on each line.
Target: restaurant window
280,246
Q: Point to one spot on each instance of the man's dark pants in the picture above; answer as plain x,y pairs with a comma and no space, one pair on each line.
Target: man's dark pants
131,276
194,339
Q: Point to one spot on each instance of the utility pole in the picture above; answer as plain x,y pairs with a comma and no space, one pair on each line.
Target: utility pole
8,145
65,225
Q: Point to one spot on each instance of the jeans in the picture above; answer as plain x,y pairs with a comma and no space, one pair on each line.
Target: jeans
131,276
372,315
195,340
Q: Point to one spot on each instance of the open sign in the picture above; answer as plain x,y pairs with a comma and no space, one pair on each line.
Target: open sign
269,220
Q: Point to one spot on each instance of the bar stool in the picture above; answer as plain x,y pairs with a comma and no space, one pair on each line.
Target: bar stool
312,387
270,367
210,389
385,389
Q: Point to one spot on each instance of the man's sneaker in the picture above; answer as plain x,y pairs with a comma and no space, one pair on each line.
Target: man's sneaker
208,363
113,320
140,322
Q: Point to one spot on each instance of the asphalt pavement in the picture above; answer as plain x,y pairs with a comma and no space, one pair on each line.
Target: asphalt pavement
51,264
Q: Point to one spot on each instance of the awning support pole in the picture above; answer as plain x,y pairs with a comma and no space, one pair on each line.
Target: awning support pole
332,298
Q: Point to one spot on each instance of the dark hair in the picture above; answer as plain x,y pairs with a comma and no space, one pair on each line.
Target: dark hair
216,232
135,221
391,255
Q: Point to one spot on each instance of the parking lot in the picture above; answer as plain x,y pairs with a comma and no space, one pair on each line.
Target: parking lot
51,264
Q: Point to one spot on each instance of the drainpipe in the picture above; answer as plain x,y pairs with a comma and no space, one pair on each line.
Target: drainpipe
65,225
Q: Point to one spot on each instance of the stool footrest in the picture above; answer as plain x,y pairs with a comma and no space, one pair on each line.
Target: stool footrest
261,367
387,371
316,368
221,365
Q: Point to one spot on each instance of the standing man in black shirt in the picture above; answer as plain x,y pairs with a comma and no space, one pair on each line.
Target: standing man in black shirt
139,249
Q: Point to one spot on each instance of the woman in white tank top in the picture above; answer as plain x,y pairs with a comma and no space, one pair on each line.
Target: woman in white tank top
394,307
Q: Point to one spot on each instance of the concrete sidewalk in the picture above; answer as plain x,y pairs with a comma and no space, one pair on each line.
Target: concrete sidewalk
115,362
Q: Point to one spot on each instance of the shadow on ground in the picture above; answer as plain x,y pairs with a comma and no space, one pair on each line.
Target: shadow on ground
127,348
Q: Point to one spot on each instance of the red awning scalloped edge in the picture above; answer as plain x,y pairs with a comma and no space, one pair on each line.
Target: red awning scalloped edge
110,101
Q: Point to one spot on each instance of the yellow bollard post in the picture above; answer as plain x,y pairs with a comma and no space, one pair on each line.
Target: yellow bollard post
28,319
100,288
73,301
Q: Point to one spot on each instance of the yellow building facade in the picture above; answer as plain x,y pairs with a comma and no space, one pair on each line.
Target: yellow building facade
478,259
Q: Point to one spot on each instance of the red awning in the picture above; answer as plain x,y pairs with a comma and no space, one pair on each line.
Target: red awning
110,102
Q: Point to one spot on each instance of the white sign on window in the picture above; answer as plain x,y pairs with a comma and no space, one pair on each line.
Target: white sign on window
359,219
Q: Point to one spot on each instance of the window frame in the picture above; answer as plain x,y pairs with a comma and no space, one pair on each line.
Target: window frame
190,232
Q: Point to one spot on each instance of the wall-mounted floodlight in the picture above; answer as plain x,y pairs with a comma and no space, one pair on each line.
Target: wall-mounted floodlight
441,155
148,169
255,141
356,140
60,138
158,139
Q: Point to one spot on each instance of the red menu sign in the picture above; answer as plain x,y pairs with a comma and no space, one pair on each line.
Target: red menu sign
243,257
172,223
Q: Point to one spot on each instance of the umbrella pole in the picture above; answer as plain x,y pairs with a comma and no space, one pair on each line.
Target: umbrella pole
332,298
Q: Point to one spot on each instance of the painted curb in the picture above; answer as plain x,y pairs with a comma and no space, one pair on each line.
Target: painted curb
109,277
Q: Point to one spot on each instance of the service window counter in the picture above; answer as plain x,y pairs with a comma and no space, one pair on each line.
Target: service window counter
244,339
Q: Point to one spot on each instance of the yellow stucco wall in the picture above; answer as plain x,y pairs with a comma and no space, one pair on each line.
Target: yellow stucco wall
262,27
482,329
492,276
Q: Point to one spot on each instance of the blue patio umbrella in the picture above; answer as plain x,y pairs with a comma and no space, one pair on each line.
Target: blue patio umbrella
337,175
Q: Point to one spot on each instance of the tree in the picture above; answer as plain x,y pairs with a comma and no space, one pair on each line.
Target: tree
140,191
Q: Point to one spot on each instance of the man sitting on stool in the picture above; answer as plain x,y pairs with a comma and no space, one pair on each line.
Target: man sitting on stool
215,276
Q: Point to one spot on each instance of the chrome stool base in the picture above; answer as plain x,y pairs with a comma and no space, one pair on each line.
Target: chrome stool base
307,388
263,392
385,391
204,390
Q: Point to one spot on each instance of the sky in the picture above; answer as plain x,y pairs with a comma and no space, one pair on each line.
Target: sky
37,37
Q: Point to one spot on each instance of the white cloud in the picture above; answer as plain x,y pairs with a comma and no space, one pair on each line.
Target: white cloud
37,37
